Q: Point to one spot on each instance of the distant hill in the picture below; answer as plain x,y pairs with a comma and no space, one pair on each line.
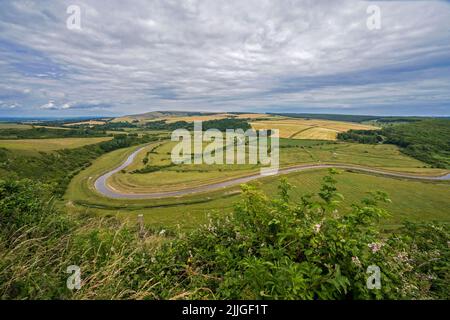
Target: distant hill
351,117
160,114
337,117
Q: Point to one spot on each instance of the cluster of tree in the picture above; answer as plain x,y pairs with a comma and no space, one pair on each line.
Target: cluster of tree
219,124
399,119
44,133
163,125
426,140
58,168
361,136
270,248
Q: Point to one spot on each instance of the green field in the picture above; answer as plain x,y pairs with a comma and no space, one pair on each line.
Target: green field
48,145
8,125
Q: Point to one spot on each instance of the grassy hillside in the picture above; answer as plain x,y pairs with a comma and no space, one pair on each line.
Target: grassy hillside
58,166
426,140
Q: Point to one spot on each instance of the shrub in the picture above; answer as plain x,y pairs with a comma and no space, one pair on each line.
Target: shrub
275,248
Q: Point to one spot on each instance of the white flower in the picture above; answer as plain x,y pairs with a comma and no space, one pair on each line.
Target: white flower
356,261
317,227
162,232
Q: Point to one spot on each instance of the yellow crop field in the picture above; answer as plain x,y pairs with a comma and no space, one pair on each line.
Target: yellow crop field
309,129
317,133
46,145
90,122
287,128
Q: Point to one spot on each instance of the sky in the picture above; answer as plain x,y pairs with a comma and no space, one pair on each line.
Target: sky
315,56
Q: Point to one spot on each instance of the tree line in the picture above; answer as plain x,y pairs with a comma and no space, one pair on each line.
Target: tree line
426,140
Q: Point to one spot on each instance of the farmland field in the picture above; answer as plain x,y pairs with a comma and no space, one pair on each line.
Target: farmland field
309,128
7,125
90,122
46,145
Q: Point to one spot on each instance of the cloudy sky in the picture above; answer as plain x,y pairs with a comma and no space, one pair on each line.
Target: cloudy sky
276,56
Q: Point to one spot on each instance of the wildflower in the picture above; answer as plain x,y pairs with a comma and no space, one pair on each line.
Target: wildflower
402,257
375,246
356,262
317,227
162,232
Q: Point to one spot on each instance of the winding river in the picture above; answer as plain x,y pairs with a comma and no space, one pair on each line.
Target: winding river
102,187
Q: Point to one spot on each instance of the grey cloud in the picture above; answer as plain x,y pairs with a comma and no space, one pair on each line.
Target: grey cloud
227,55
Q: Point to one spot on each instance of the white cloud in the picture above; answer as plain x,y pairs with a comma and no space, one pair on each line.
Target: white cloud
50,105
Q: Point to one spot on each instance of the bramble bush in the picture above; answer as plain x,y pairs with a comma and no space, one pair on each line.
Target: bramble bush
269,248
